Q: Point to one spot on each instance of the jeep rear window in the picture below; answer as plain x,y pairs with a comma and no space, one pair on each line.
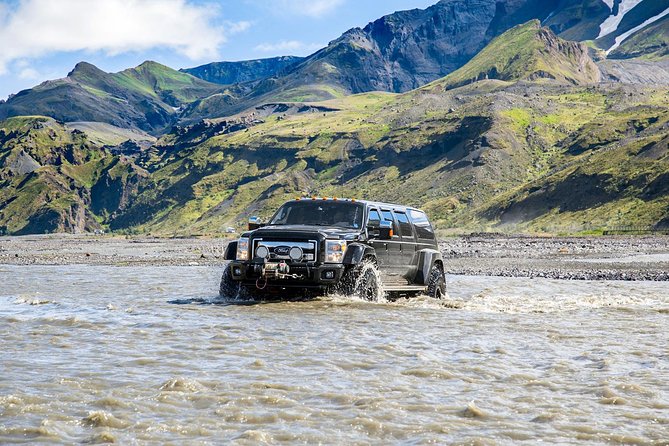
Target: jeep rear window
422,224
320,213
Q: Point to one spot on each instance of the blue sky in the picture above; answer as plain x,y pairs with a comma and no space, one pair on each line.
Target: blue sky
44,39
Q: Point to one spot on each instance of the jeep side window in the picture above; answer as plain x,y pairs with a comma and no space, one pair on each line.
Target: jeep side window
405,225
422,224
388,216
374,216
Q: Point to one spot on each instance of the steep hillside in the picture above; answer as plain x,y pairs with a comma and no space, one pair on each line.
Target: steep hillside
578,19
146,97
227,73
53,179
527,52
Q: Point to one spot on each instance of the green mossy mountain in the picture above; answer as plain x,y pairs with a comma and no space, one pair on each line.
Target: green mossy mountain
53,179
146,97
528,52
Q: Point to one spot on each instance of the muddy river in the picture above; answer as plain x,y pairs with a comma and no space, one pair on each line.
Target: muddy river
146,355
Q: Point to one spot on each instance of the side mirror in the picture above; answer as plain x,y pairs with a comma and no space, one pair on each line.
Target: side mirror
386,230
382,230
255,223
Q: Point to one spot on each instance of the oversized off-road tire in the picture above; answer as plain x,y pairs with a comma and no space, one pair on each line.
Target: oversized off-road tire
229,289
436,283
367,284
346,285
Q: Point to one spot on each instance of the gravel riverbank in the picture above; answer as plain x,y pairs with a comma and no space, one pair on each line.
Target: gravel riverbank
577,258
583,258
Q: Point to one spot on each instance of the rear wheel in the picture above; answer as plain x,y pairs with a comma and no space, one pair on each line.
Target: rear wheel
436,284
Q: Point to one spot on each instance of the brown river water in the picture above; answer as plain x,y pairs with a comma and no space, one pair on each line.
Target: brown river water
148,355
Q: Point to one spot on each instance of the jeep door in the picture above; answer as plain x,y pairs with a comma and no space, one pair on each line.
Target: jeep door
379,245
407,268
389,251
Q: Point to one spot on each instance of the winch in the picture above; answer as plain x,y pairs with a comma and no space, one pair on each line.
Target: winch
274,271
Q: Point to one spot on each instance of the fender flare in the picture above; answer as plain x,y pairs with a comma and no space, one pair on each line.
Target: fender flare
426,260
356,252
231,251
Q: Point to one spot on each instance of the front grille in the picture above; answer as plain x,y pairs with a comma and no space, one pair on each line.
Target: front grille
279,249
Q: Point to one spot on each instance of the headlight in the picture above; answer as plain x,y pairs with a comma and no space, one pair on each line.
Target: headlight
334,251
243,248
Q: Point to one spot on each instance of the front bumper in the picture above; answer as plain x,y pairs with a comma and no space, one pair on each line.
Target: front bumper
319,276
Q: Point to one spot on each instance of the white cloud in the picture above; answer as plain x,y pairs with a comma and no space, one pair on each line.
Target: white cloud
288,46
38,27
237,27
29,74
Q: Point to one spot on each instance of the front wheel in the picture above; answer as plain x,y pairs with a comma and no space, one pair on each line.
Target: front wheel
436,284
367,286
231,289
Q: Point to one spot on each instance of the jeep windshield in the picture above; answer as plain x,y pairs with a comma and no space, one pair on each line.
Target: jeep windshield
320,213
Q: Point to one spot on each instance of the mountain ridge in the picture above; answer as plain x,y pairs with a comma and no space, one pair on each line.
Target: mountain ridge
144,97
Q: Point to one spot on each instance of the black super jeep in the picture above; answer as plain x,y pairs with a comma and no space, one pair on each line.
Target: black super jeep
312,246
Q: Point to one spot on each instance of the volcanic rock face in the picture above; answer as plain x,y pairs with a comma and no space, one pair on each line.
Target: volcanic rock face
407,49
243,71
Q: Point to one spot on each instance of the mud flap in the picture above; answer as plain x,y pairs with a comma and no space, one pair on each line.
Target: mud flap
426,258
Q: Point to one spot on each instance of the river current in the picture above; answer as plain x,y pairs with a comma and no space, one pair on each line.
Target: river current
149,355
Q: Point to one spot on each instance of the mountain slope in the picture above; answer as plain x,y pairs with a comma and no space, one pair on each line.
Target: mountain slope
53,179
227,73
144,97
651,42
528,52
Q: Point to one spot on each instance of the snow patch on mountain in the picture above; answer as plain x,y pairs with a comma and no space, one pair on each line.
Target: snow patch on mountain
613,21
621,38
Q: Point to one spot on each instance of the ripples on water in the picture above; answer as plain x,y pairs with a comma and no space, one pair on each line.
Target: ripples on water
106,354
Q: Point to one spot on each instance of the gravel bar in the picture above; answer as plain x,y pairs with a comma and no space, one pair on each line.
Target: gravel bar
576,258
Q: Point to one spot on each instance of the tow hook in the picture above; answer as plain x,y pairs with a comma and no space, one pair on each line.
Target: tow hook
273,271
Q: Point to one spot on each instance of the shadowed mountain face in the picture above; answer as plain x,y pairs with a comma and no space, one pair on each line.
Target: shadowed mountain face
227,73
650,42
407,49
